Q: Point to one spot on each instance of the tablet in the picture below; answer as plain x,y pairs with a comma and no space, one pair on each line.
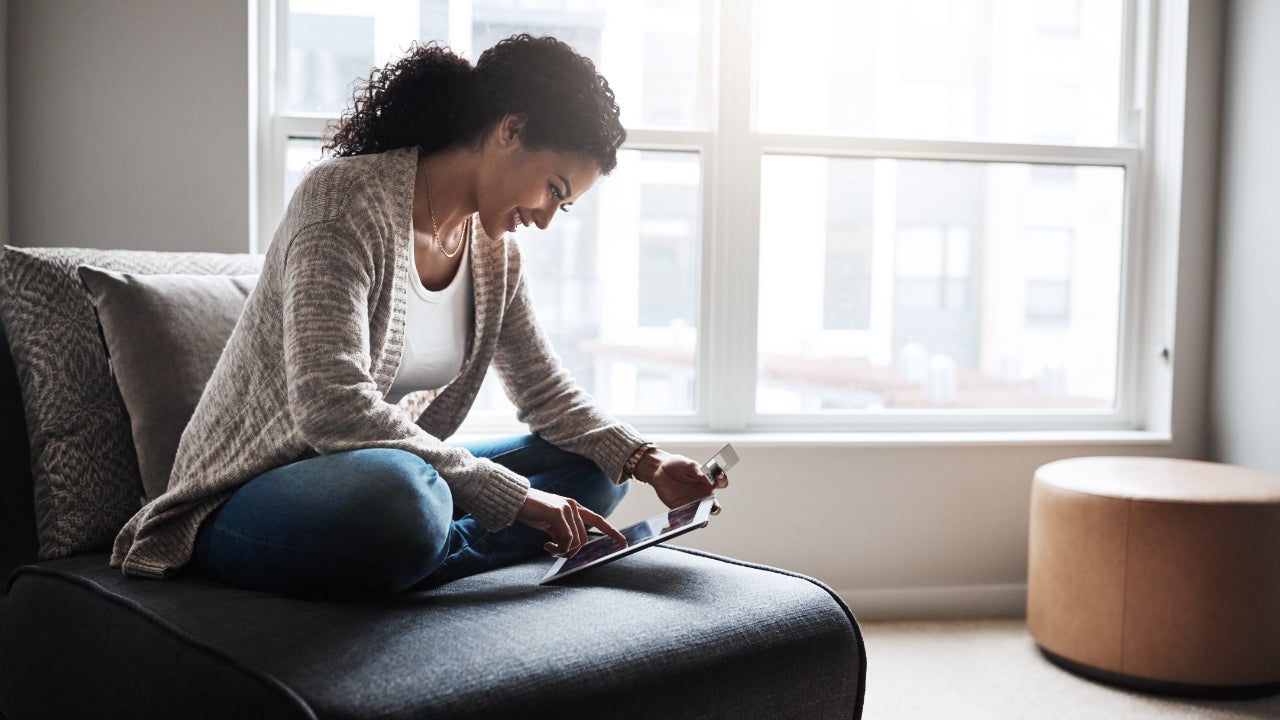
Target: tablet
656,529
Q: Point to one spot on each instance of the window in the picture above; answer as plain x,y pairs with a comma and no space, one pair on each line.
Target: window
1048,273
830,214
616,281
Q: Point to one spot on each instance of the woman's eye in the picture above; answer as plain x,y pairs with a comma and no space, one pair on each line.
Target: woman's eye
555,193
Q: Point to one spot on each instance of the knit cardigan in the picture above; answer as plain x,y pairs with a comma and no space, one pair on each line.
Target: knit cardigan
319,342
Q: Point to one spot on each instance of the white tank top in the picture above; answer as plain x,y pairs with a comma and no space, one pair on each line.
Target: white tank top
435,332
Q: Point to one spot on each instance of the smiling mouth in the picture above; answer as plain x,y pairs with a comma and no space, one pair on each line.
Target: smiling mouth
518,219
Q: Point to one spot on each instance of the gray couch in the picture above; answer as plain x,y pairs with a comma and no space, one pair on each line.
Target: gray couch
668,632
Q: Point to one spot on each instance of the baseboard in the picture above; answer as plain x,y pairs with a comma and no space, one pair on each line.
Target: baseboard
960,601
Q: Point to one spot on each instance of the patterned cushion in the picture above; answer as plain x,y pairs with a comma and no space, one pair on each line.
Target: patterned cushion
82,456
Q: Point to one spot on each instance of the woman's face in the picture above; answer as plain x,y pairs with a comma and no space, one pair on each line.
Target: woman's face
519,187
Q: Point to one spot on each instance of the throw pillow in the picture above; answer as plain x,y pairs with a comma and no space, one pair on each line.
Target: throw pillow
164,335
83,462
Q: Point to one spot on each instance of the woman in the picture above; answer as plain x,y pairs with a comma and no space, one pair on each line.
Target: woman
390,274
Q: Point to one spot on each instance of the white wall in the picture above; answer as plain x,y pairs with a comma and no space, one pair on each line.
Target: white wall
129,123
128,126
1245,411
899,530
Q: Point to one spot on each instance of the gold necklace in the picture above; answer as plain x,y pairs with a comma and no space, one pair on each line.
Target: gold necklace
436,228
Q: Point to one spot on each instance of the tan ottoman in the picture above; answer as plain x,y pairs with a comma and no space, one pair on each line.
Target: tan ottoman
1158,574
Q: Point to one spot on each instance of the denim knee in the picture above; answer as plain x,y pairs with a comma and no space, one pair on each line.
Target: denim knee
408,518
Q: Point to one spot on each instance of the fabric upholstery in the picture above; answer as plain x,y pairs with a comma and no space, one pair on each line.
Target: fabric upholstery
84,469
164,335
663,633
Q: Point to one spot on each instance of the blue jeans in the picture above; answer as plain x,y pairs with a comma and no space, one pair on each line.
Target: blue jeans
381,521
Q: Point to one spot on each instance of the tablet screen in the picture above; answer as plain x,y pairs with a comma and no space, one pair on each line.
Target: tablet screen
605,549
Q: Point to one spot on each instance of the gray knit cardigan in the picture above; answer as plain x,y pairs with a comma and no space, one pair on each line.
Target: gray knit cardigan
316,349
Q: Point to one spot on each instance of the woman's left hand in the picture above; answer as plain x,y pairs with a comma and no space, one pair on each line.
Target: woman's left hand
676,479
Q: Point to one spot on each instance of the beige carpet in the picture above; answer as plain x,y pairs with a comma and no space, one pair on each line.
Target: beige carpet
990,669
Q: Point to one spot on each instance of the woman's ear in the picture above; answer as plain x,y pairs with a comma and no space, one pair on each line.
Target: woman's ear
509,129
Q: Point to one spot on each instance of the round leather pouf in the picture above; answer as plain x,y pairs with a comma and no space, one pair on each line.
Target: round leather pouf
1158,574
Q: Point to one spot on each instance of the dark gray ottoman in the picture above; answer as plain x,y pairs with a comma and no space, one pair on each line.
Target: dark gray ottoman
666,633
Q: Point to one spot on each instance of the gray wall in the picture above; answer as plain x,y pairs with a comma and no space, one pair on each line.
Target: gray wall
1244,425
129,123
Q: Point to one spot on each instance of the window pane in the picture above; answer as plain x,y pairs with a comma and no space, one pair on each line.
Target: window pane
299,156
332,43
987,285
615,284
1005,70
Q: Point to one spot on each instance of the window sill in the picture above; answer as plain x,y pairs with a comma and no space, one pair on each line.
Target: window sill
918,439
890,439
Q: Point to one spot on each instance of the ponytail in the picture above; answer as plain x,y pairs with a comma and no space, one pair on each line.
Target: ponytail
432,99
423,99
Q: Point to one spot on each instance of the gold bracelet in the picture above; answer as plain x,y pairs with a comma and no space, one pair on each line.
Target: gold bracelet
629,470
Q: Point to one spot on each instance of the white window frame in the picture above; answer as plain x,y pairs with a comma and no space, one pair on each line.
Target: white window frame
1150,152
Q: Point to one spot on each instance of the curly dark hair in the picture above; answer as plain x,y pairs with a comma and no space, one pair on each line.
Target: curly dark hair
433,99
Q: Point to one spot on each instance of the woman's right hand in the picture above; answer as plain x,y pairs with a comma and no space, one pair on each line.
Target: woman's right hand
564,519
